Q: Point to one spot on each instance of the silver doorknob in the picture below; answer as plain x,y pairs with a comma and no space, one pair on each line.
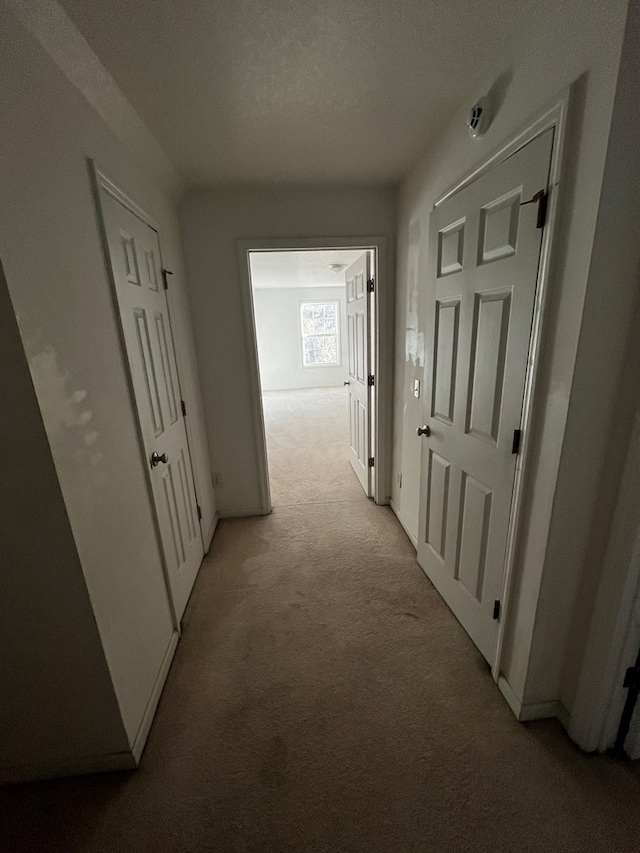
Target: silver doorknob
157,458
346,382
424,430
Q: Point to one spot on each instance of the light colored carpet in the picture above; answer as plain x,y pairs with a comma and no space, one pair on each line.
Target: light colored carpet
324,699
308,445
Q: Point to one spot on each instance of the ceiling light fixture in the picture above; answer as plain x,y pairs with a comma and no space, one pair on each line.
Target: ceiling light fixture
337,267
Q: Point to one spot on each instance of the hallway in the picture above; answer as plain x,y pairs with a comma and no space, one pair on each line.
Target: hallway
323,698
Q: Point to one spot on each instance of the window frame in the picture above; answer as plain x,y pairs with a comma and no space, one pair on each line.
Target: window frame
302,335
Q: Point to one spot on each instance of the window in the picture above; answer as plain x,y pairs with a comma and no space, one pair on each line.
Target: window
319,327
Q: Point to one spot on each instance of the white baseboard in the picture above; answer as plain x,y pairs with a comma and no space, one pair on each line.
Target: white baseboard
242,513
152,704
527,711
209,534
68,767
403,521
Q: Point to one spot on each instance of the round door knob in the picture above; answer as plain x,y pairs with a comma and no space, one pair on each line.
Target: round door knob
346,382
157,458
424,430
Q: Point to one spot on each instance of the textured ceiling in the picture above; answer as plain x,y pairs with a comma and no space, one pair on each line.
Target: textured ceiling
299,268
294,91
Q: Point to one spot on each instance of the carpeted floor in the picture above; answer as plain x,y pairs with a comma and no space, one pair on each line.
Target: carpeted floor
308,444
324,699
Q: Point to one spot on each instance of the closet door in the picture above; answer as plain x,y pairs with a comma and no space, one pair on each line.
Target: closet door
134,253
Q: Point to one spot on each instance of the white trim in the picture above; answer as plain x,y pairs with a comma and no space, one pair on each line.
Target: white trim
259,431
551,710
555,118
149,713
68,767
384,353
526,712
512,700
115,191
243,513
403,523
209,535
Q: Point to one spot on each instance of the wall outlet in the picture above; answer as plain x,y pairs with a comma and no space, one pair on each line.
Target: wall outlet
216,479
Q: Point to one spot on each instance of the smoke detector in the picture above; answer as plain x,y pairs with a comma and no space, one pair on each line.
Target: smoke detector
479,118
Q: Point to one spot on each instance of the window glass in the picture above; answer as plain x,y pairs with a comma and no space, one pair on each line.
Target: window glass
319,327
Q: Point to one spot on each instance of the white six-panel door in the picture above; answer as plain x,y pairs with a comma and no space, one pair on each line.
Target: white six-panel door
484,251
134,254
357,277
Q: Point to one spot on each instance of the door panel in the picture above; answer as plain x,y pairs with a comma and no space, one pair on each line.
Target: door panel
488,349
484,250
169,380
438,503
135,261
351,334
473,529
445,359
361,347
356,278
148,371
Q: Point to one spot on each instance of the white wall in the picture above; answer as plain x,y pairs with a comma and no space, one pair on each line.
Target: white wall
599,419
212,223
55,268
556,45
277,313
57,701
611,411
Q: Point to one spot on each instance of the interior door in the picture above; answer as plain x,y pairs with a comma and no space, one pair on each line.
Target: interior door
357,277
134,252
484,252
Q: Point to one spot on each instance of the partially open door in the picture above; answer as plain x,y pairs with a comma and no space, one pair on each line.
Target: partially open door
358,383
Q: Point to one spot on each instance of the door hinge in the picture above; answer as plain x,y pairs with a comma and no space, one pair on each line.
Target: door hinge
496,609
541,198
165,278
632,678
184,408
199,512
371,284
632,684
517,435
371,380
372,461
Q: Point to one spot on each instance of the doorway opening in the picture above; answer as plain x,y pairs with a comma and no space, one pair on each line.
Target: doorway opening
313,323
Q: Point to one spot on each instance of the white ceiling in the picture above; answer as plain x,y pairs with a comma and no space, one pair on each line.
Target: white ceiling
294,91
299,269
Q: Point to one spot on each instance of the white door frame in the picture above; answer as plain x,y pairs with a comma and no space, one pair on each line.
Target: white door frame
382,346
554,117
100,181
